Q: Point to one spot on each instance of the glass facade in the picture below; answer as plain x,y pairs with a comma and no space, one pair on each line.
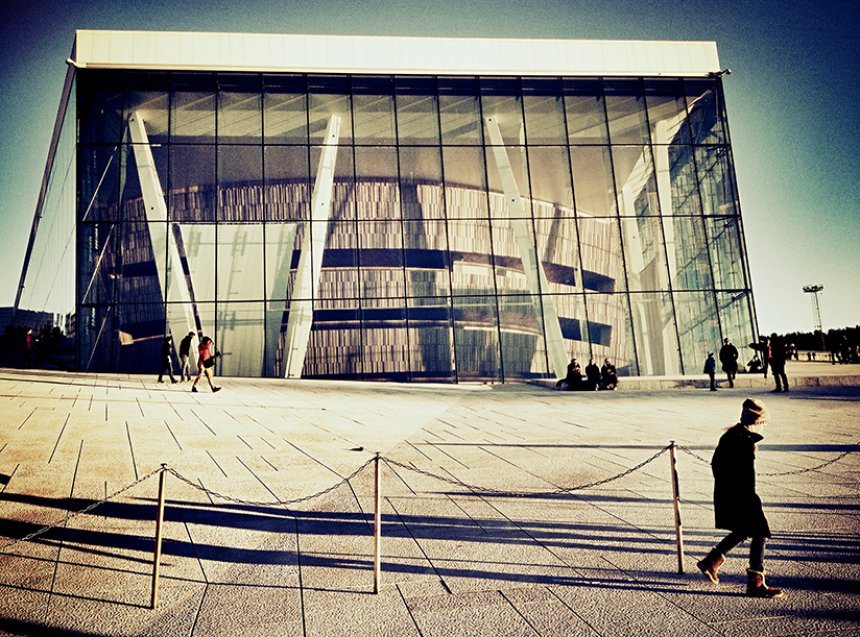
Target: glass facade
423,228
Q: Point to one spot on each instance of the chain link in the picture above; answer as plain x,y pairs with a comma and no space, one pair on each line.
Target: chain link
560,490
782,473
75,514
276,502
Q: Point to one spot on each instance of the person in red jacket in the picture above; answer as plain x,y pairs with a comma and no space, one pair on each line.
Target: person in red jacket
206,362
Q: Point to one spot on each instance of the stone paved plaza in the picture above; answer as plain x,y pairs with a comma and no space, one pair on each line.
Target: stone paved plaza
485,531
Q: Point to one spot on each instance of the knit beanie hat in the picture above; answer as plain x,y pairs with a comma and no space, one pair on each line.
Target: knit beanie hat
753,412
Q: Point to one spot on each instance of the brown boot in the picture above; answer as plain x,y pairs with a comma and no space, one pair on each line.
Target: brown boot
710,564
756,586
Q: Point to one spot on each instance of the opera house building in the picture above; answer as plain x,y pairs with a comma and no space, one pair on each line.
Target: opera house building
385,208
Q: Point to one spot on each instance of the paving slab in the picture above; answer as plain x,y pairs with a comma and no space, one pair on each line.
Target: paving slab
507,509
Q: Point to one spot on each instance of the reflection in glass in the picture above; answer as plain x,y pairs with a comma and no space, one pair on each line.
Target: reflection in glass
625,112
417,111
698,328
192,110
476,338
287,187
192,183
593,186
656,339
459,111
522,336
610,331
285,109
241,196
373,110
240,116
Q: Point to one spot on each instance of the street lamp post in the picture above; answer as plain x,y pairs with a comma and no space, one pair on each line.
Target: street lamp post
814,290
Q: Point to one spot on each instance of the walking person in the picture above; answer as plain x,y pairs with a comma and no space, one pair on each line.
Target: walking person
778,356
185,357
205,363
737,507
166,359
729,360
711,370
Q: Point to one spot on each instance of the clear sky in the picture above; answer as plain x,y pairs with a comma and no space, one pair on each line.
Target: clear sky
792,100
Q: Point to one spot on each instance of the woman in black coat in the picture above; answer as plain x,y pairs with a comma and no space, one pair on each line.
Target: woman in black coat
737,507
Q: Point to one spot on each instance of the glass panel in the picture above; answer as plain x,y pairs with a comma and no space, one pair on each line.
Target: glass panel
471,257
276,328
705,106
677,162
287,192
373,110
335,343
698,329
625,109
132,205
193,109
726,253
99,103
686,245
610,332
417,111
426,258
239,262
285,109
501,102
504,163
656,339
459,111
283,241
192,183
737,323
239,338
431,338
645,252
98,265
377,194
602,265
544,110
421,183
150,100
509,259
135,332
98,182
329,96
381,259
339,278
667,111
570,309
558,248
635,180
552,194
143,270
716,181
240,114
593,185
196,245
240,175
384,342
522,334
465,183
585,111
476,338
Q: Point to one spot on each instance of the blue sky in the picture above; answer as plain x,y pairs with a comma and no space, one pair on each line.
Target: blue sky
792,102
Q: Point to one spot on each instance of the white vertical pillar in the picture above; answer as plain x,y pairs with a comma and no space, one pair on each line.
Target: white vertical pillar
532,266
310,262
280,241
180,315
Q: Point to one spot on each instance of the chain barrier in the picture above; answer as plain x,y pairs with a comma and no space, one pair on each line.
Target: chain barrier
557,491
277,501
75,514
781,473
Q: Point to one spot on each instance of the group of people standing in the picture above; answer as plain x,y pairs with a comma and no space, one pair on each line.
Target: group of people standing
604,377
206,356
770,352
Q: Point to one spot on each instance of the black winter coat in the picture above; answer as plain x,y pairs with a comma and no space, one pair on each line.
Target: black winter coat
737,507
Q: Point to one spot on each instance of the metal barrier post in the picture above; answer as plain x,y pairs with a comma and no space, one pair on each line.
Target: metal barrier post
679,537
377,526
159,520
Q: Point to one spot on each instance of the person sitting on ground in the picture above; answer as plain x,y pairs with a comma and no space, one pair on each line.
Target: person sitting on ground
573,380
592,375
737,507
608,375
754,366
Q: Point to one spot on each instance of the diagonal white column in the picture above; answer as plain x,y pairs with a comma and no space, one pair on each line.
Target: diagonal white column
280,241
533,268
180,315
310,262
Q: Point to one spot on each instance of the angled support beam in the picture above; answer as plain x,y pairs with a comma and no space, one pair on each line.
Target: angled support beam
179,311
310,262
532,266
